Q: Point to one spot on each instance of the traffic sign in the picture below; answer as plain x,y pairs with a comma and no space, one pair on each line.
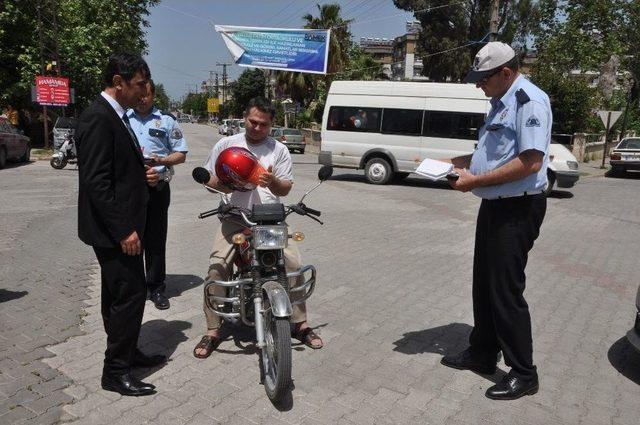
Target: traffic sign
52,91
213,105
609,118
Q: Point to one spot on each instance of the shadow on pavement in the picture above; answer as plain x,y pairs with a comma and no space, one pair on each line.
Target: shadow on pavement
409,181
168,334
11,164
7,295
560,194
628,175
625,359
178,283
443,340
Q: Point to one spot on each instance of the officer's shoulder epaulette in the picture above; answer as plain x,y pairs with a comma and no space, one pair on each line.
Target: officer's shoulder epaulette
522,97
167,113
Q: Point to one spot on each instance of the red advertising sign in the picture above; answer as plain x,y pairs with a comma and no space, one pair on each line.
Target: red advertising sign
52,91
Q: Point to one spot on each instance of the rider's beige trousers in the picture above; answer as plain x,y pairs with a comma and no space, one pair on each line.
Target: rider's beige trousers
221,263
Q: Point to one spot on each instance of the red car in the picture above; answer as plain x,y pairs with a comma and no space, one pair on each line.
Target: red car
13,145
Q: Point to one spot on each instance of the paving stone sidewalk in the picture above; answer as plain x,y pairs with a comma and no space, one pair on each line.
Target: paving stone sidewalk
394,295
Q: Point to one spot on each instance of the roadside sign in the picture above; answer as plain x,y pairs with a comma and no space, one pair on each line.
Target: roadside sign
609,118
213,105
52,91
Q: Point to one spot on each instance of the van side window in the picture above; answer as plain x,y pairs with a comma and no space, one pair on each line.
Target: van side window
452,125
349,118
402,121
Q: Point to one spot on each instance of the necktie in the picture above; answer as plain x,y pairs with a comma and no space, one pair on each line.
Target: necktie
127,124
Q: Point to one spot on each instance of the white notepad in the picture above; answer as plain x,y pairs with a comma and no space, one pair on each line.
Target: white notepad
434,169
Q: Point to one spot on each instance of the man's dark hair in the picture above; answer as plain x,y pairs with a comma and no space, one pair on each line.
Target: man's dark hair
262,105
513,64
125,65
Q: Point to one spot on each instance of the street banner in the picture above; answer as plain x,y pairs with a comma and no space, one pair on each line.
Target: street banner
52,91
213,105
283,49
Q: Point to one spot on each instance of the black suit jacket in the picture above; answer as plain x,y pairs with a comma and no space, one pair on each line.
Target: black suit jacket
113,194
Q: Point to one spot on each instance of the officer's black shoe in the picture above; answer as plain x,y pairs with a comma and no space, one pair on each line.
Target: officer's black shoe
126,385
142,360
159,300
512,387
465,360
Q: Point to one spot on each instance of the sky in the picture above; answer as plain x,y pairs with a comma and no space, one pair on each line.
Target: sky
183,45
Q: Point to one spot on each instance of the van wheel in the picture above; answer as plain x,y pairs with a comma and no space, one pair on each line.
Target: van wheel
378,171
3,157
551,180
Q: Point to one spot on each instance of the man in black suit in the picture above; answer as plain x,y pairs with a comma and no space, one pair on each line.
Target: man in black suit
112,203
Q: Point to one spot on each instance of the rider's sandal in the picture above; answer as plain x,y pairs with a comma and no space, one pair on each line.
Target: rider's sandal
208,343
306,336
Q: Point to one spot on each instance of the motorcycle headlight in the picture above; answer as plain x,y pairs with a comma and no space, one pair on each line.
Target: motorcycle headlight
270,237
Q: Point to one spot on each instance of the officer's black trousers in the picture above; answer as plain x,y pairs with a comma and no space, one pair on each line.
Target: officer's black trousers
155,240
122,300
505,233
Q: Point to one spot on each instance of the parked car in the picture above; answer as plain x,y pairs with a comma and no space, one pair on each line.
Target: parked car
223,127
563,168
625,156
63,128
13,144
634,334
292,138
184,118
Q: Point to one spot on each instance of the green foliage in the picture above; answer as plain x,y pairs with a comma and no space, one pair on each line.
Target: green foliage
161,100
82,32
458,25
250,84
573,39
195,103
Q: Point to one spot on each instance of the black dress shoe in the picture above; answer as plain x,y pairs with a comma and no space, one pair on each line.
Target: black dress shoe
466,361
126,385
512,387
143,360
159,300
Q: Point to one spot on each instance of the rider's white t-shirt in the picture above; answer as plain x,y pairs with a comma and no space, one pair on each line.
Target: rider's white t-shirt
270,153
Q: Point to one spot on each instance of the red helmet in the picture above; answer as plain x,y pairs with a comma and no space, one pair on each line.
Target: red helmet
236,168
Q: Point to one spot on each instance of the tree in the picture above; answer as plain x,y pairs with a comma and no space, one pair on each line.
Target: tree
466,25
340,41
161,100
78,34
250,84
195,103
576,39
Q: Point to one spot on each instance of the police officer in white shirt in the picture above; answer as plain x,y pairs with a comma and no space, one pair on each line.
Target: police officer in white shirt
508,171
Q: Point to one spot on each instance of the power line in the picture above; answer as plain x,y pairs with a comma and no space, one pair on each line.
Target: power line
279,12
297,11
421,56
357,22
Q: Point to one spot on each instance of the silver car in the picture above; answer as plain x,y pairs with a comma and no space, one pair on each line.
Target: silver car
292,138
625,156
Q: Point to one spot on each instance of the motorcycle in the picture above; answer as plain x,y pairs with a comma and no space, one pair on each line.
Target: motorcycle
66,154
258,294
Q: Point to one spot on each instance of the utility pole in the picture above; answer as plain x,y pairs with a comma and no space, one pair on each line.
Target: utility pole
494,21
217,87
42,70
224,82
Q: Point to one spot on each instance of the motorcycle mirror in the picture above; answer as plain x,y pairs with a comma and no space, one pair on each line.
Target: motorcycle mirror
201,175
325,172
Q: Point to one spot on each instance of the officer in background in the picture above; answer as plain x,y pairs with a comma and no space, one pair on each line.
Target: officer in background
163,146
508,171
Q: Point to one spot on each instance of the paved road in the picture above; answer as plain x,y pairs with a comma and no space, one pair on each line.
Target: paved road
394,265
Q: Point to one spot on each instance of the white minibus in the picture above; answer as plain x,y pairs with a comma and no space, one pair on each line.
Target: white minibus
388,127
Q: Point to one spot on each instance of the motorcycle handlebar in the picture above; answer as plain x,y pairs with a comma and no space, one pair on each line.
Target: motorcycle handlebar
312,211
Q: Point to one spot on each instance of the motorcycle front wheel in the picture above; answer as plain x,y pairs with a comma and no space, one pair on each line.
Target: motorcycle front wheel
275,357
58,163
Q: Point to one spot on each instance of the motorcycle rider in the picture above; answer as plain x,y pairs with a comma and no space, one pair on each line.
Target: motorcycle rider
276,182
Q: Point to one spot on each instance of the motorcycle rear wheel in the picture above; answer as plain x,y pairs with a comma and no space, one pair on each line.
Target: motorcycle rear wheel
58,163
275,357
